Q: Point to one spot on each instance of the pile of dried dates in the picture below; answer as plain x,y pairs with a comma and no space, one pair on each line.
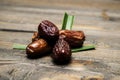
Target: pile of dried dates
49,39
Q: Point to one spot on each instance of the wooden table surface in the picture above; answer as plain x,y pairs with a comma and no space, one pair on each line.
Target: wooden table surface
99,19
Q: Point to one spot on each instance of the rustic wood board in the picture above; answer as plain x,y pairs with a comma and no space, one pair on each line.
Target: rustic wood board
99,19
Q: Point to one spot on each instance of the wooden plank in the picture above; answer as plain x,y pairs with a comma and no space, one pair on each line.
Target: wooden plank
99,19
23,18
101,4
16,37
83,65
96,37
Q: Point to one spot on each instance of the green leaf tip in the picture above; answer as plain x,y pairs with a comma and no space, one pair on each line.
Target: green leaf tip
84,48
67,22
19,46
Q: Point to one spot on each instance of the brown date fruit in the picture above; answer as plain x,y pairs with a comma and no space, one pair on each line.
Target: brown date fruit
37,48
48,31
35,36
74,38
61,51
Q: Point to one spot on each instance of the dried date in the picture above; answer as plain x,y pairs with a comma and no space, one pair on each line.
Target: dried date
37,48
35,36
74,38
48,31
61,51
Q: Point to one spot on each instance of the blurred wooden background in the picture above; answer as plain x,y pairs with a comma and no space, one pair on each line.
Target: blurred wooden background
99,19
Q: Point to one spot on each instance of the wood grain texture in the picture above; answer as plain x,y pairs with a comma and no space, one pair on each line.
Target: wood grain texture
99,19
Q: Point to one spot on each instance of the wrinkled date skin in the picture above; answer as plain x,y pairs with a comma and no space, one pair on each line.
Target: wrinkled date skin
48,31
37,48
74,38
61,51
